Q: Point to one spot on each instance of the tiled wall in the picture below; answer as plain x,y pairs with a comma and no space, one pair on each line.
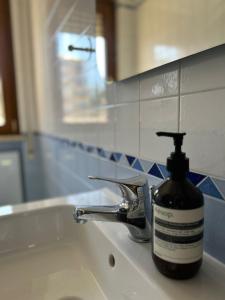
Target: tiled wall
36,187
66,165
186,96
189,96
183,96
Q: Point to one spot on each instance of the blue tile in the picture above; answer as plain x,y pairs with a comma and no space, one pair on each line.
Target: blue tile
163,170
195,178
220,184
90,149
123,161
101,152
117,156
112,157
130,159
81,146
137,165
146,165
155,171
74,144
208,187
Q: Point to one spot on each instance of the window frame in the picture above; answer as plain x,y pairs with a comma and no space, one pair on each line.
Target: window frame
11,125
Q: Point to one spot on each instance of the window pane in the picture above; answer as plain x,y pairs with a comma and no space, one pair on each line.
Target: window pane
2,107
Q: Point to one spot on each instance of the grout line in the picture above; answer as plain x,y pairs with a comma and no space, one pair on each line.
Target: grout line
139,121
159,97
74,175
222,194
204,179
204,91
115,95
179,94
132,168
157,162
179,98
148,99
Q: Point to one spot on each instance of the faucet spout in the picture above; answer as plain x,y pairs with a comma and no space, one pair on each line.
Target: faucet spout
97,213
137,227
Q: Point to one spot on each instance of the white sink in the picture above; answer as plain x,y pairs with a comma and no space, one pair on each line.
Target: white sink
45,255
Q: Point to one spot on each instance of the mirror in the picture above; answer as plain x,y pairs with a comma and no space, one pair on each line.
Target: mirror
139,35
2,106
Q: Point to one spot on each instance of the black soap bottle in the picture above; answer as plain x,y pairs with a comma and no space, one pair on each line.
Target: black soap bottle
177,217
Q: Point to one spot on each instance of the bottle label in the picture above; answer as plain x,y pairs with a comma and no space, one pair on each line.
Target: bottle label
178,234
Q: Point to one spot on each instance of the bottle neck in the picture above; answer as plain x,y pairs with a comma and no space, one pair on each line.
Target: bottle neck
178,176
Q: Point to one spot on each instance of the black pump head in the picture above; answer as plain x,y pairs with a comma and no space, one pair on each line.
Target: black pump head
177,137
177,163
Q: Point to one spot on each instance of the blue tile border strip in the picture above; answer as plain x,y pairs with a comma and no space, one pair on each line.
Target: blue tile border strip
207,184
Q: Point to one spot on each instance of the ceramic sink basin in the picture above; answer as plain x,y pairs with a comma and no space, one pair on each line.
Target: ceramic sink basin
44,255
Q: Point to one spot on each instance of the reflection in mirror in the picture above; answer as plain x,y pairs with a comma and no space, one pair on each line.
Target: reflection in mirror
2,106
71,72
77,80
144,34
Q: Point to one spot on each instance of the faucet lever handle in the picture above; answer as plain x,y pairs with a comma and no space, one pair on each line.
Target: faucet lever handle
128,187
137,181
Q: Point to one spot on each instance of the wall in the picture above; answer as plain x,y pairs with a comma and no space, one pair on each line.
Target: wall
188,95
183,96
22,172
12,181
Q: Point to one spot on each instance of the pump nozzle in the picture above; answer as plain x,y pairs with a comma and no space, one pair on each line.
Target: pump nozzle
177,138
177,163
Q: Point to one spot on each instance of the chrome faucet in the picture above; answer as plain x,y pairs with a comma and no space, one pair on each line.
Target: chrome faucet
131,211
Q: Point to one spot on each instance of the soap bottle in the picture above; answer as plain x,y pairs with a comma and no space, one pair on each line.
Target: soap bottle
177,218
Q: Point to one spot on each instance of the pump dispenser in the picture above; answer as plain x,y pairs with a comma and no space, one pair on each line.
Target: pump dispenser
177,218
177,163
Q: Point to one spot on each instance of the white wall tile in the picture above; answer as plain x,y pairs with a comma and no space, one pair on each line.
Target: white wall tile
153,181
124,172
128,90
107,168
90,134
203,118
111,90
162,82
204,71
82,164
157,115
127,128
107,129
93,166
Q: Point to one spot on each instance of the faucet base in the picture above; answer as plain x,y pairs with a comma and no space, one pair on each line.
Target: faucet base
139,240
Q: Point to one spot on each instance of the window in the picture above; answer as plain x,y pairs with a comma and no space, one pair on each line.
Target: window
8,108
